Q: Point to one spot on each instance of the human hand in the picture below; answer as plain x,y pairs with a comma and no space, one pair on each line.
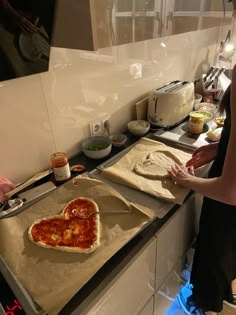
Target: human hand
180,173
203,155
25,25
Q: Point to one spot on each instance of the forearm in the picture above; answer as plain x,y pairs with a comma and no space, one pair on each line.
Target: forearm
214,188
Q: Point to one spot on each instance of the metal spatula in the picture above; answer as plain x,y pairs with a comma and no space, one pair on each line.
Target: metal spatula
84,214
27,183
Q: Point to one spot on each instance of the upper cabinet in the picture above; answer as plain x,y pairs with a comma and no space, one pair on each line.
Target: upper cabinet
134,21
26,26
93,24
25,34
180,16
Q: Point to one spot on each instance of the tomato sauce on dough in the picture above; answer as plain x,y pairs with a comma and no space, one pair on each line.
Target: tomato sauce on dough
68,230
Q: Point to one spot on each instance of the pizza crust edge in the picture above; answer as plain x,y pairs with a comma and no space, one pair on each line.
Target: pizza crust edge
94,246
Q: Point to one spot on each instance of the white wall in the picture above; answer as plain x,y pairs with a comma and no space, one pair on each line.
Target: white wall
51,112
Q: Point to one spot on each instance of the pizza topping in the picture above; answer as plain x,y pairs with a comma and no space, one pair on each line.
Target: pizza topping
68,230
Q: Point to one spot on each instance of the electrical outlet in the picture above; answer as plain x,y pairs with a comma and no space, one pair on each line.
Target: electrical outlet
96,127
106,118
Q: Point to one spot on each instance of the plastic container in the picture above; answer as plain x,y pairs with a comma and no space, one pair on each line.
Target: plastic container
60,166
196,123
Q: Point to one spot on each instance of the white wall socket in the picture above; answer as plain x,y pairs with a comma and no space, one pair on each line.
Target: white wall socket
97,126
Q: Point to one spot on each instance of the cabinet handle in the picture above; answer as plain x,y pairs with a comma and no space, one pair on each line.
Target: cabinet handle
169,19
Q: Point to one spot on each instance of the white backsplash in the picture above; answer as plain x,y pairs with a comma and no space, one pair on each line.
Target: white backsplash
51,112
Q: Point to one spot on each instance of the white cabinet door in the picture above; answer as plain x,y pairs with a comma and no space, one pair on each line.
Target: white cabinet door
182,16
148,308
174,239
92,24
165,297
131,289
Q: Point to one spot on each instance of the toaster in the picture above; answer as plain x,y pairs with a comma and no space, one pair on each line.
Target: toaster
170,104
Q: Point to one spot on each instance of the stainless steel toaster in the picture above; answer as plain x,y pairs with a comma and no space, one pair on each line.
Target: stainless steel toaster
170,104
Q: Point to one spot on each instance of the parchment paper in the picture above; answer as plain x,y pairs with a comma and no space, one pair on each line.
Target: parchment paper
122,172
51,276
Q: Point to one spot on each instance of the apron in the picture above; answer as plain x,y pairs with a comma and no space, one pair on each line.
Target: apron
214,264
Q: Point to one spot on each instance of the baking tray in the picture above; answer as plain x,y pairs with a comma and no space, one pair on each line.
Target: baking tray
57,198
159,207
28,304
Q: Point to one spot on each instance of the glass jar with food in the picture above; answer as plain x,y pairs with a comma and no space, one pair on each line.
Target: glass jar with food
196,123
60,166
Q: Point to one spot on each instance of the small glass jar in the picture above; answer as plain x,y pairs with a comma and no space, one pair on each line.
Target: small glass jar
60,166
195,123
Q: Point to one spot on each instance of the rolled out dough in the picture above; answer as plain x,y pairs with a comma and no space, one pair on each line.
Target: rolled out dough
156,164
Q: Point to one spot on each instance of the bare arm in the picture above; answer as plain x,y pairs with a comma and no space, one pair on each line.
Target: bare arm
203,155
221,188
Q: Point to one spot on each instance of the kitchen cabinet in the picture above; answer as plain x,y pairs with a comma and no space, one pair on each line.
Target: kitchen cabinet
174,254
131,289
148,308
180,16
91,24
137,20
149,283
166,294
174,239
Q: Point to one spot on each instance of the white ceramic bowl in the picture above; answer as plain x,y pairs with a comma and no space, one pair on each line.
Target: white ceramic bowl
197,98
207,115
97,147
138,127
206,106
118,139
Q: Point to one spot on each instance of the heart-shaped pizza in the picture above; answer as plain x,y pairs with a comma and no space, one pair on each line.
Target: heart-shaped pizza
77,229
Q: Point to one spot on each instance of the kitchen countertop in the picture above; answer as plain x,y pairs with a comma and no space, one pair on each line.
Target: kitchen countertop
125,254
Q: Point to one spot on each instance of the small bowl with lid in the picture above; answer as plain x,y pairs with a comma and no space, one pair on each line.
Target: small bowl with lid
97,147
138,127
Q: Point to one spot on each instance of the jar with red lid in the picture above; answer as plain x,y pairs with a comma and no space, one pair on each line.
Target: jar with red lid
60,166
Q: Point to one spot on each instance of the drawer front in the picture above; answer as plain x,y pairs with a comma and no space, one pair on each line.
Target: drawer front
174,240
148,308
132,288
165,298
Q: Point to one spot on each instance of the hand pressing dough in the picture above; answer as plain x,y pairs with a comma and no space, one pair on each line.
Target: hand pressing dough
156,164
